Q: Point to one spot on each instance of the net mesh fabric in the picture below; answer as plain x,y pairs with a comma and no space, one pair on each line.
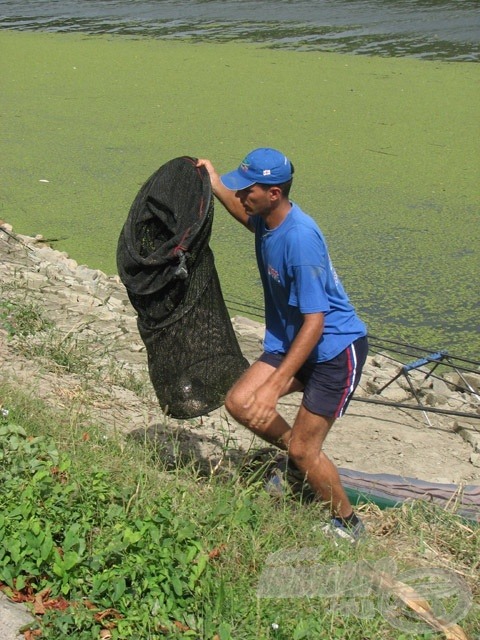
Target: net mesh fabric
168,269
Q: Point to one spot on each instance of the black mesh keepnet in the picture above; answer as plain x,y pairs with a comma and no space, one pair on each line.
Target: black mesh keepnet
168,269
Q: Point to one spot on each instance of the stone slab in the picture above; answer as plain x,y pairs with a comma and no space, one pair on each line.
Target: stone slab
12,618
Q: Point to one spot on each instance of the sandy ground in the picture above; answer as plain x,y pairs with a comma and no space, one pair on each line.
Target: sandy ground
370,437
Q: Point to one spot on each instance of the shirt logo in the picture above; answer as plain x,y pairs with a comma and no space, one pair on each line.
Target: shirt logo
273,273
336,279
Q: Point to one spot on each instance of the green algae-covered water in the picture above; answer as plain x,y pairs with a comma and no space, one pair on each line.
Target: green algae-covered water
385,150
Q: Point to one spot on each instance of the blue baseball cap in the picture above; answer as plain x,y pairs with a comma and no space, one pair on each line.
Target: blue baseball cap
264,165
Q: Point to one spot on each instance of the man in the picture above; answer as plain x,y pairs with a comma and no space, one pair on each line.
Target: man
314,342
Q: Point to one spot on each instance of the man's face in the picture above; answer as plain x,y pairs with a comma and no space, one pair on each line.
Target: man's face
255,200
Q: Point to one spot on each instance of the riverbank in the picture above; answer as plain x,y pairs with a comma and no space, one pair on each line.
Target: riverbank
68,339
385,154
82,319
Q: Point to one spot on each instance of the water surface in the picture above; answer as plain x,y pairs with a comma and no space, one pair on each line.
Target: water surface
429,29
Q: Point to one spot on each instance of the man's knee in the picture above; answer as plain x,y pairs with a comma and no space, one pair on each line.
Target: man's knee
234,403
299,453
305,454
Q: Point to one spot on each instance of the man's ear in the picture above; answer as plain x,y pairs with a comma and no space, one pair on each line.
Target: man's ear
275,193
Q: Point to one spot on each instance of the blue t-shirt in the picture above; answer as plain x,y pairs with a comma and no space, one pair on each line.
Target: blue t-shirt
298,277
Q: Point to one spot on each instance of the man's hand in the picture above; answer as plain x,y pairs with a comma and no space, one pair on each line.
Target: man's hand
214,177
260,408
203,162
227,197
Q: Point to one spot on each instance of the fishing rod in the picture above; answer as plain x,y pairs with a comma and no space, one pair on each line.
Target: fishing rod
418,407
372,339
429,374
12,236
382,343
445,362
257,311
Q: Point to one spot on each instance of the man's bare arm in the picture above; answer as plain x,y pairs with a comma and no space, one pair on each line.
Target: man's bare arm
227,197
261,405
306,339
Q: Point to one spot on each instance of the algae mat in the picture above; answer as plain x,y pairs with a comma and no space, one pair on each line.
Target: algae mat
385,150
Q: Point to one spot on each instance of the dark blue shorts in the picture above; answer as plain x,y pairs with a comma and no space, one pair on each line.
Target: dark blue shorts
328,386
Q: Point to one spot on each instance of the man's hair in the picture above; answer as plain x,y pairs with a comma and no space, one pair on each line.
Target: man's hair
284,186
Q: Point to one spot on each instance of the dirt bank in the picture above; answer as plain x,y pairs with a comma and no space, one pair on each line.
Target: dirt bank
90,311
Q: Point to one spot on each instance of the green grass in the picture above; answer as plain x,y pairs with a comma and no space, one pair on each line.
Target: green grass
21,318
147,553
123,538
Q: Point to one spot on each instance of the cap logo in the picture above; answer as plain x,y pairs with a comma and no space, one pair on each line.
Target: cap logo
263,166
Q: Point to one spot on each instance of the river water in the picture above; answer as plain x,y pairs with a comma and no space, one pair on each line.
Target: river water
430,29
437,30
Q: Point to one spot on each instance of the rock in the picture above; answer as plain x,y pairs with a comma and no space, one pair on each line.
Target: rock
440,388
470,432
377,382
13,617
475,459
36,280
395,394
117,304
378,361
463,381
433,399
4,225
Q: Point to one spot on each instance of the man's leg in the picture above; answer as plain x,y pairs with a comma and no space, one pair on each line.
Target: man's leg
303,442
328,390
305,450
276,431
